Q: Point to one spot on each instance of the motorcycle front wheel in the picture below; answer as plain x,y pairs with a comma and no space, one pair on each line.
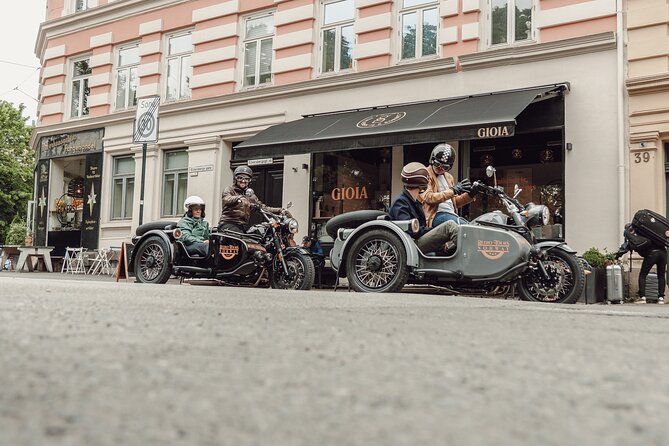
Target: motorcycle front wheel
564,284
377,263
301,273
152,261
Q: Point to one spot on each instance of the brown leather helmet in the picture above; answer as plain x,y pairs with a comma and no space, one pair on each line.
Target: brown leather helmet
415,175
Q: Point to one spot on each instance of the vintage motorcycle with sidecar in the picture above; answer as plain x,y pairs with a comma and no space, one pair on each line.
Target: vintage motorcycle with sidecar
234,258
494,251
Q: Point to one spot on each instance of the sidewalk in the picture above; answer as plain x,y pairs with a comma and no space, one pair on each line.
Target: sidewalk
61,276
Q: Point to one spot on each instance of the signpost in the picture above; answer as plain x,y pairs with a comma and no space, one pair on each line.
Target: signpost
145,130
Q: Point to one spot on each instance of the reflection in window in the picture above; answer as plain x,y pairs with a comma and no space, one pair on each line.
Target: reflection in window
511,21
123,189
81,73
258,44
350,180
534,162
338,35
419,30
179,70
126,77
175,182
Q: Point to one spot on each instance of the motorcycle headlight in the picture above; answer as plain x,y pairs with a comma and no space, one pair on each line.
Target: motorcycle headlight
293,226
537,215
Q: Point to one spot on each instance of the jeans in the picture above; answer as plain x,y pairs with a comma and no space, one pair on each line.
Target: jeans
447,216
657,257
198,249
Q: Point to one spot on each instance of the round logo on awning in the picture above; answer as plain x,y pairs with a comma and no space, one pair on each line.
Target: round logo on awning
380,120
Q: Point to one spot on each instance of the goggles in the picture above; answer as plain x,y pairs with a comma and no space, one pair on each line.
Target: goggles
246,178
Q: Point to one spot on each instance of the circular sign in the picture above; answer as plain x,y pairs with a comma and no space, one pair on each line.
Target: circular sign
146,124
380,120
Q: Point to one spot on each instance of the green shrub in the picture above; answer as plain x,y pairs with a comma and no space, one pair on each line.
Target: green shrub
16,234
598,259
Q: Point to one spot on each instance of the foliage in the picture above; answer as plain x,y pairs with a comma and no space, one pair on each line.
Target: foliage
17,231
598,259
16,165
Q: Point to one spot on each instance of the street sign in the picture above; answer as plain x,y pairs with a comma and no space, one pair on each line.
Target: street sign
145,128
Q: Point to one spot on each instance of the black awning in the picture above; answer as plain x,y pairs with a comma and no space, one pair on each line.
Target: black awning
472,117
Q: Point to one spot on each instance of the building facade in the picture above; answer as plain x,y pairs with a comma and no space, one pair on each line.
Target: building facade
326,100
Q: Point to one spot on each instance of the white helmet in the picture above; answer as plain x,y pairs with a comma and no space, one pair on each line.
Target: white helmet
193,200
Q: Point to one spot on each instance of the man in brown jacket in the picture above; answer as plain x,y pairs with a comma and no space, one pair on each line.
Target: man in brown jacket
443,196
237,200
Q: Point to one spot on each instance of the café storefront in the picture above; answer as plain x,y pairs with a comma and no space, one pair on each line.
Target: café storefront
356,155
68,181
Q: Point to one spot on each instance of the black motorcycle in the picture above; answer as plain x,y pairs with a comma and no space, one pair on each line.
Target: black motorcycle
261,254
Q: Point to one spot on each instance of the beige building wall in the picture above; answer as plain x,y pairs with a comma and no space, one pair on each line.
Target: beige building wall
648,88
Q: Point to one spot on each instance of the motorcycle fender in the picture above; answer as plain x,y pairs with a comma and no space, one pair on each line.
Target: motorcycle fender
340,248
299,249
159,233
544,246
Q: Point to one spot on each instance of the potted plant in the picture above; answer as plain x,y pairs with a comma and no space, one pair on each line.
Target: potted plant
595,290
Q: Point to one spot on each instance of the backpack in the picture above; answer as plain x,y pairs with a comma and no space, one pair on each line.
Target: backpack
636,241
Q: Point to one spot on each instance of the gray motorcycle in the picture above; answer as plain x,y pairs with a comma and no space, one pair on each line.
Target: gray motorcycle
495,251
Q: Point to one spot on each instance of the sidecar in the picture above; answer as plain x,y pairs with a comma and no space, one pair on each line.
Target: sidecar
158,254
377,254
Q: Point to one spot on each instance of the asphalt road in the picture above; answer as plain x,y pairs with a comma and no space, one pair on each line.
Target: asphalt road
105,363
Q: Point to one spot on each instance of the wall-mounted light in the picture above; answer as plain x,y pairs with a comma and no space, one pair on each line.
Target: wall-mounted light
305,166
568,146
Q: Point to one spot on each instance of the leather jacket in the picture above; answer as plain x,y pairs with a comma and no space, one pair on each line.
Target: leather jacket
236,206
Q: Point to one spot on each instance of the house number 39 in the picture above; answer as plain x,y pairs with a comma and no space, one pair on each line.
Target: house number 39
641,157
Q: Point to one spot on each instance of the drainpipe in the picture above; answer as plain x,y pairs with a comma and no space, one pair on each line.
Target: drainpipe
622,142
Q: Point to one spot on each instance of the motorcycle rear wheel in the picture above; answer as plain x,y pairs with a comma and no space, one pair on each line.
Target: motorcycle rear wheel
566,282
301,269
377,263
152,261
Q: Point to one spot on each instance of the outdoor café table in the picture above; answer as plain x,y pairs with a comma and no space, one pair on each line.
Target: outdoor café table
28,251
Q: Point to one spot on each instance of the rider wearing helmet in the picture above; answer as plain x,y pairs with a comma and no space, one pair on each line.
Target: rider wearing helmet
236,202
443,196
406,206
194,228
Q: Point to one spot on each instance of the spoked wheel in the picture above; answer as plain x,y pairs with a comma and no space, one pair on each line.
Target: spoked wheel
377,263
152,262
301,273
564,283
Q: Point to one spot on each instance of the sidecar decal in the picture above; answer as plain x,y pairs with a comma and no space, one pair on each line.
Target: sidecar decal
492,249
229,252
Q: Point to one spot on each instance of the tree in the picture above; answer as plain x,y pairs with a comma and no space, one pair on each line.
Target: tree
16,165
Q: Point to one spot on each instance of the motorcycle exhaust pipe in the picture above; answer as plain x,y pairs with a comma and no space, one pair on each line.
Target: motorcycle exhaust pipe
192,269
440,273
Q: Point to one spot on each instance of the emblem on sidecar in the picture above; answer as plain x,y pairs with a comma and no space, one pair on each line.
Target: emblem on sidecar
492,249
229,252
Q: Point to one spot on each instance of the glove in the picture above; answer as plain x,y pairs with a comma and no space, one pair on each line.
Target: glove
620,253
477,188
462,187
286,213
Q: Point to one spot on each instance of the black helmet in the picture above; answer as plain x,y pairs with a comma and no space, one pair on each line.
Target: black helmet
415,175
443,155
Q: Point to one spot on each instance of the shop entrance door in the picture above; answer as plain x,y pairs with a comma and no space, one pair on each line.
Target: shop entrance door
268,186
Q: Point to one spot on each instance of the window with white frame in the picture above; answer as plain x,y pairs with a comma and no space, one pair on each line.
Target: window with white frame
126,77
258,43
81,74
175,182
81,5
123,187
338,35
179,70
510,21
419,28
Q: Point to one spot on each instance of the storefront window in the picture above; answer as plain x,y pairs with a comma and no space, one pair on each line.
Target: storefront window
535,163
350,180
